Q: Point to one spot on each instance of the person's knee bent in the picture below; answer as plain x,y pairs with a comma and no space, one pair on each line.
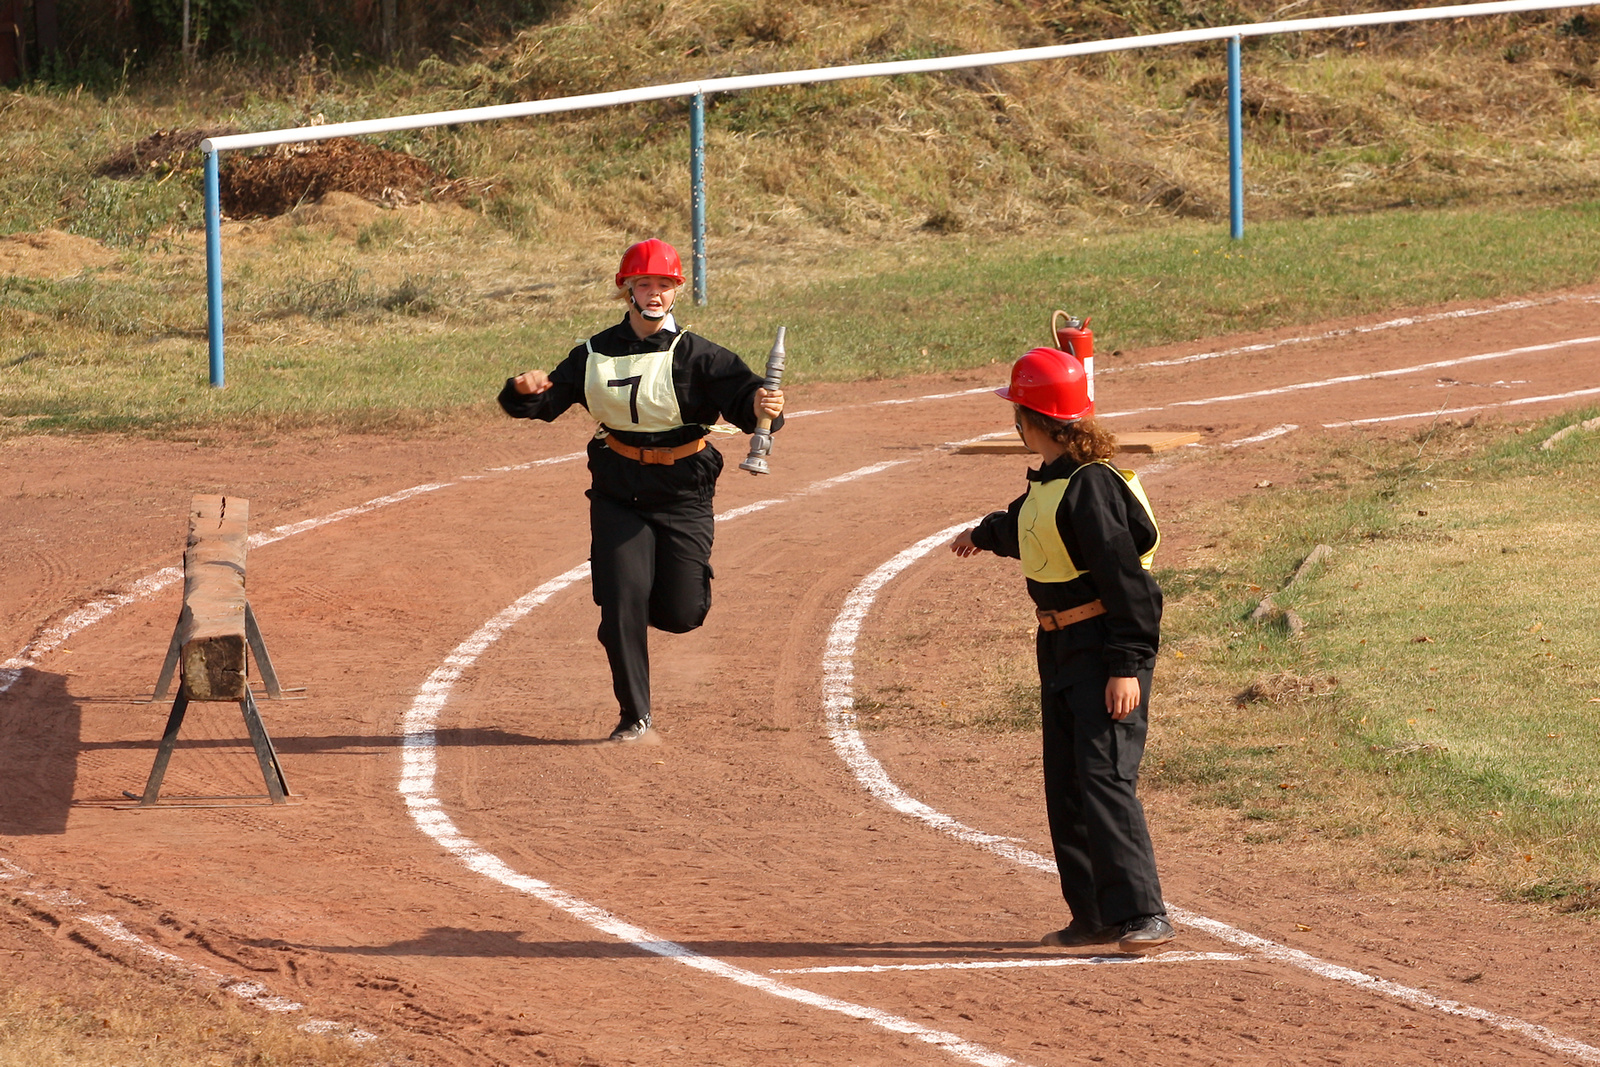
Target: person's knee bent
680,618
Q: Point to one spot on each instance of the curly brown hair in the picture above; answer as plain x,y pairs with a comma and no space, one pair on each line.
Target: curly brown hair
1085,440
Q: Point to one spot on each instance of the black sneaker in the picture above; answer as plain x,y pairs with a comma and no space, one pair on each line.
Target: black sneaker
1144,933
631,729
1078,935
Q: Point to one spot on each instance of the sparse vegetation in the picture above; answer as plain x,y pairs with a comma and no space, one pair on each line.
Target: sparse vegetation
1440,702
1436,717
125,1022
1408,166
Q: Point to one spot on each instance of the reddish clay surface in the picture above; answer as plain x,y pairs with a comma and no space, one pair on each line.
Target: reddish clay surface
741,836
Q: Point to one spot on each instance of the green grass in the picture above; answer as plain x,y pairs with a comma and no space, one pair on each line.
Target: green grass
401,321
896,226
1442,702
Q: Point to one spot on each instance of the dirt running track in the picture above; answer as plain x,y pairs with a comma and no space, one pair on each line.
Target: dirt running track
467,875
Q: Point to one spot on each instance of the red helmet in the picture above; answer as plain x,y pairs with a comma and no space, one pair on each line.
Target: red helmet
1051,382
650,257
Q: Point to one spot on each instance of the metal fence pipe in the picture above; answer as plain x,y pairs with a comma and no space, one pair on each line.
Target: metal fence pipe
1235,144
697,191
213,215
213,145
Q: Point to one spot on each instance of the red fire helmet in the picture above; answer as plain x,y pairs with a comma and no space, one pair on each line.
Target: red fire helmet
654,256
1051,382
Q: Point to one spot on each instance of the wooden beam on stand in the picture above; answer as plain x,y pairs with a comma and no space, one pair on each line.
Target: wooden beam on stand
1146,441
213,640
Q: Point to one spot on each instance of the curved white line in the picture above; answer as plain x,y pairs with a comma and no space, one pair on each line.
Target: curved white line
1265,435
1462,411
420,771
1366,376
839,702
1377,327
53,637
145,587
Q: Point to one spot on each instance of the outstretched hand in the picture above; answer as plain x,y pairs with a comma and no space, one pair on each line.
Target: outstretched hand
963,546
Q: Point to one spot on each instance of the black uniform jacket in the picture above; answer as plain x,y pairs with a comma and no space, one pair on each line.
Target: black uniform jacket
709,381
1105,530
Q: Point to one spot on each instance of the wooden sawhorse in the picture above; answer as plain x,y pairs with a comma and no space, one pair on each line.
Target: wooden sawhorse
215,627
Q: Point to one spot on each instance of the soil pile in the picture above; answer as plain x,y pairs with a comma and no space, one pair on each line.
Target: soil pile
51,254
273,183
175,149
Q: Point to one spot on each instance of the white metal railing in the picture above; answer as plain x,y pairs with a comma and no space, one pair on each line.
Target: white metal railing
868,70
697,91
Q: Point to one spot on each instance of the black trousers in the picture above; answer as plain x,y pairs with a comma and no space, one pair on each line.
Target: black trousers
651,567
1097,825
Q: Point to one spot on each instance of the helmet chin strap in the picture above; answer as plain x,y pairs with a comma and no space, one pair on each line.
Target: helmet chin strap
650,316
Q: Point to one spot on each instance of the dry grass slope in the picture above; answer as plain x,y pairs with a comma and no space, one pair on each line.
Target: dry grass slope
1428,114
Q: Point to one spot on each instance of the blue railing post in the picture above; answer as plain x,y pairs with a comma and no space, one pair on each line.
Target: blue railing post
697,191
1235,143
213,213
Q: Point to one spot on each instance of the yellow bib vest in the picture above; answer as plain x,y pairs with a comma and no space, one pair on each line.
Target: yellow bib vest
1044,555
633,392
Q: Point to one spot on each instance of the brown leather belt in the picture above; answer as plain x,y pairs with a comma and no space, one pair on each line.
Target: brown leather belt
661,456
1060,620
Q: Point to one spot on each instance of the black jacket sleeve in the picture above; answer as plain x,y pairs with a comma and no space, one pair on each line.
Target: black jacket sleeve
997,531
716,382
566,389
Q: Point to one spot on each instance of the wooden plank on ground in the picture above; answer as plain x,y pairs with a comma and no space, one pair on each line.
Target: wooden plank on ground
1155,441
212,630
1152,441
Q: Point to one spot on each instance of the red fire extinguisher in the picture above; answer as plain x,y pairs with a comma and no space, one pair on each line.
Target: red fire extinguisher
1074,337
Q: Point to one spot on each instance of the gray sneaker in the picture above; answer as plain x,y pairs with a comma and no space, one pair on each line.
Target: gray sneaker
1144,933
631,729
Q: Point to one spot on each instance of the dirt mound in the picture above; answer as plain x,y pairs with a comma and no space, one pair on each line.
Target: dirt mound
51,254
273,183
1283,688
160,148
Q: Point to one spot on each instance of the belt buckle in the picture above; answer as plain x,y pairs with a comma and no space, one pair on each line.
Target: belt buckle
657,456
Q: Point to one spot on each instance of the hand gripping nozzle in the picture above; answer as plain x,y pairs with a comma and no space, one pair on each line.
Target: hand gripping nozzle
761,440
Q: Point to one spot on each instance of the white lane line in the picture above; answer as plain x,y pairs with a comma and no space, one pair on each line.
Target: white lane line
1265,435
1000,965
1439,412
419,772
53,637
251,992
421,811
933,396
1345,379
1377,327
838,670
